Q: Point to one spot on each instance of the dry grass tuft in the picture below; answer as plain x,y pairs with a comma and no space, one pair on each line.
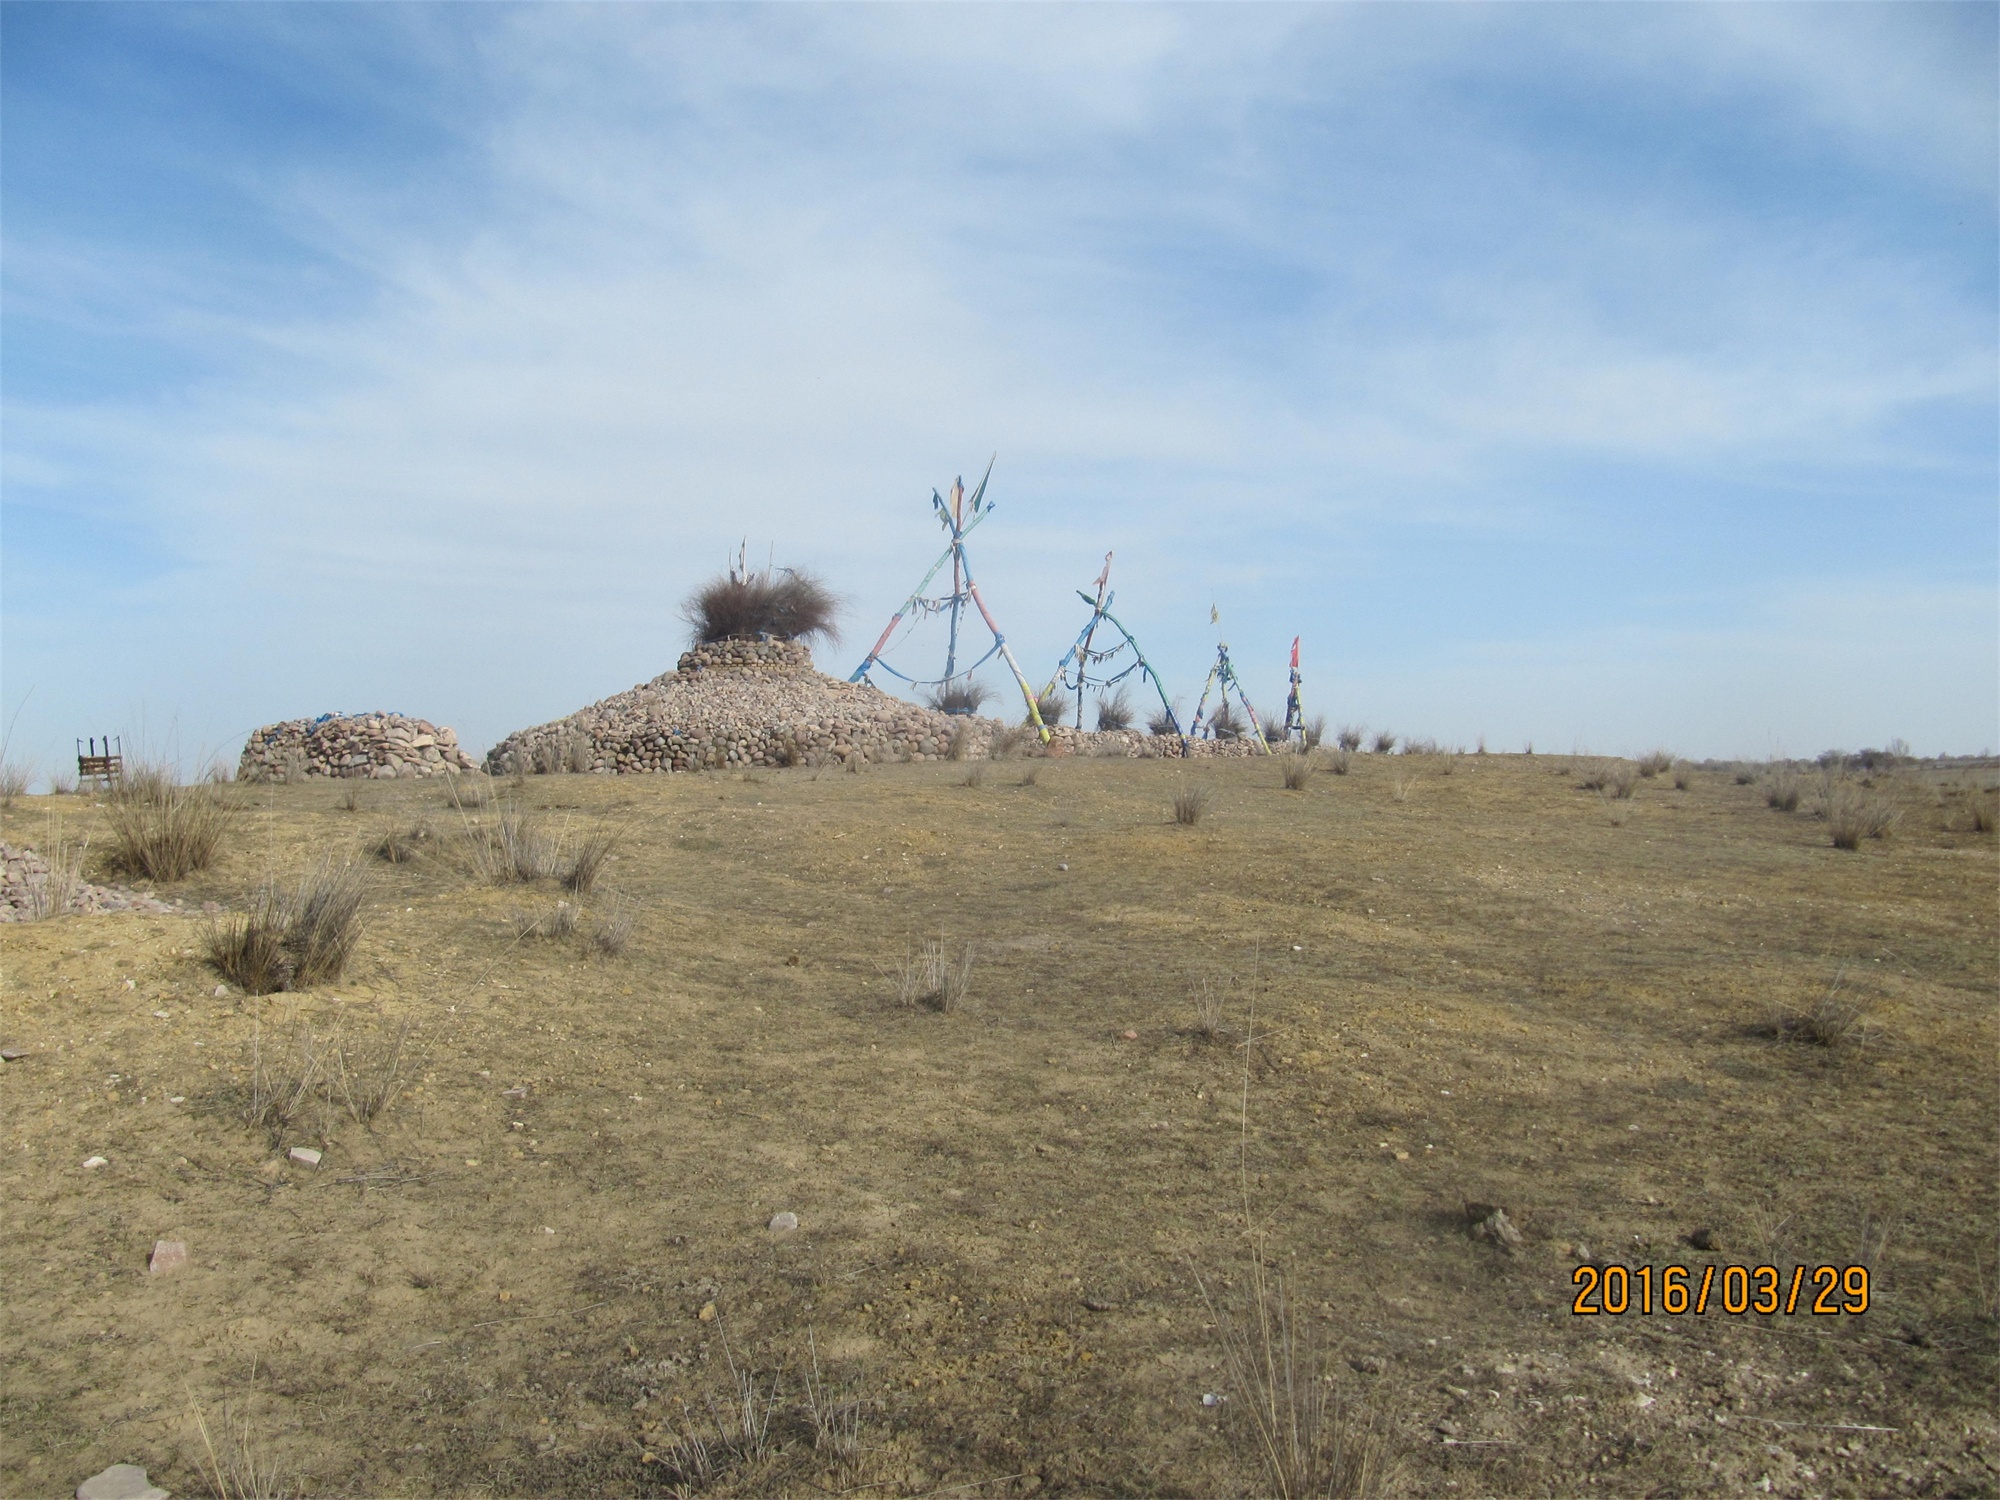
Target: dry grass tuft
15,777
1613,778
301,1080
1009,742
1350,736
1162,723
1384,743
232,1462
1981,816
404,846
782,603
1297,771
834,1410
1313,1444
1836,1020
613,931
467,792
1314,731
287,942
165,831
959,697
1114,710
974,777
1683,777
1653,764
1783,792
55,893
1401,785
931,980
1190,802
1209,1022
556,924
584,861
1340,761
351,800
1223,723
1853,815
1052,705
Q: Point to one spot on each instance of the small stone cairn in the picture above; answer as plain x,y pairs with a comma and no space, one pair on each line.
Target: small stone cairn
381,746
743,703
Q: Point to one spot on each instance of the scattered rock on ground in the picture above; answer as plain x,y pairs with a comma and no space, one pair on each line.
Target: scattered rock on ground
120,1482
24,891
168,1255
784,1223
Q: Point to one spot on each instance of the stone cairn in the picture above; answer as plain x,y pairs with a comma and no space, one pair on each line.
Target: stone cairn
382,746
743,703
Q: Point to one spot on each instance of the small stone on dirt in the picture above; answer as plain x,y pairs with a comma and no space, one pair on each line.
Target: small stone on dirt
305,1156
92,1163
168,1255
1100,1304
221,990
784,1223
707,1313
1498,1228
1369,1364
514,1093
163,1015
1705,1239
120,1482
1130,1036
12,1054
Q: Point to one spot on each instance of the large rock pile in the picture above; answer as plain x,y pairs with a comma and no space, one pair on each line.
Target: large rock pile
375,745
760,703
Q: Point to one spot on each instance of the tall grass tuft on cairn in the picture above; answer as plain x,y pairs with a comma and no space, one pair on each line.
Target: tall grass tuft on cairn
782,603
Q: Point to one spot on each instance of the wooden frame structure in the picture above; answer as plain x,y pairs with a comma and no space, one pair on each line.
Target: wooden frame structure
106,767
1081,653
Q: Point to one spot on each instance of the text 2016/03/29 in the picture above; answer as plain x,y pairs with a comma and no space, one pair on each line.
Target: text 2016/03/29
1827,1291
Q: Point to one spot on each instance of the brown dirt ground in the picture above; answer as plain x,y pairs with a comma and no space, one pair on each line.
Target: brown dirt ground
1489,990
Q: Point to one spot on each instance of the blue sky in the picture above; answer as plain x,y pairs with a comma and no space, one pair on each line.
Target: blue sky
1605,377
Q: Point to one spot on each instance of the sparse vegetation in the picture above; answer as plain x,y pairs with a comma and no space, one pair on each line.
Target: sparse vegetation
62,784
1224,724
1210,1022
783,604
1652,765
303,1080
1783,792
931,979
234,1463
1162,723
1683,777
1340,761
292,940
1384,742
1614,778
585,857
975,777
1401,785
1052,705
467,792
55,893
556,923
1190,802
1297,771
1313,732
1351,736
402,846
163,830
612,933
351,799
1836,1019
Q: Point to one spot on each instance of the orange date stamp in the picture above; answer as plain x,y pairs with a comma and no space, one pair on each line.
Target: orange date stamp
1822,1291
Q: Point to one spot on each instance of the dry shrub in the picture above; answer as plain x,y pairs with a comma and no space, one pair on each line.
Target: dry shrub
1314,1445
62,784
1298,769
1009,742
1783,792
292,940
1853,815
1614,778
1223,723
783,603
512,848
351,801
1384,743
1340,761
557,923
15,777
975,777
931,980
835,1410
1351,736
163,830
1114,710
1400,786
1030,776
1744,775
1052,705
1314,731
1163,722
1981,816
1209,1025
1653,764
1421,746
467,792
1190,802
1683,777
966,697
233,1463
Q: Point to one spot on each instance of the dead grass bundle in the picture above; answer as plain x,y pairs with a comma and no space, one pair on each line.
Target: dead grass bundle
1836,1020
1223,724
1384,742
1114,710
1314,731
834,1410
585,859
1340,761
1351,736
351,800
931,980
1009,742
1744,775
511,848
1162,722
1421,746
1298,769
1653,764
1314,1445
233,1463
1209,1024
1981,816
966,697
975,777
1190,802
556,924
304,1081
1052,705
62,784
467,792
15,777
1783,792
1614,778
1853,815
295,940
783,604
1683,776
1030,776
54,893
403,846
613,931
1401,786
165,831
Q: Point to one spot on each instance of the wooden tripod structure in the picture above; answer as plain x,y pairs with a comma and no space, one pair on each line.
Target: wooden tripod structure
1084,657
958,516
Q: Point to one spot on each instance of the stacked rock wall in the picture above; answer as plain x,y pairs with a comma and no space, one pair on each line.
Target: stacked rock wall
760,703
382,746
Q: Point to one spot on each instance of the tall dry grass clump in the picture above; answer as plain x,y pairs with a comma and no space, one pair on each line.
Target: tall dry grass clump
1853,815
1652,765
966,697
1782,794
931,979
1836,1019
1384,742
1314,1444
14,780
54,893
1114,710
1613,778
1683,776
1190,803
1297,771
292,940
1339,761
1163,722
163,830
1052,705
234,1463
782,603
307,1081
1350,737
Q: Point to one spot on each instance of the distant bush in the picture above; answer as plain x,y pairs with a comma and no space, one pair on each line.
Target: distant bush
1223,723
1052,705
1651,765
1350,736
1384,742
1162,723
957,697
1297,771
1190,802
1852,815
1114,710
1783,792
783,604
